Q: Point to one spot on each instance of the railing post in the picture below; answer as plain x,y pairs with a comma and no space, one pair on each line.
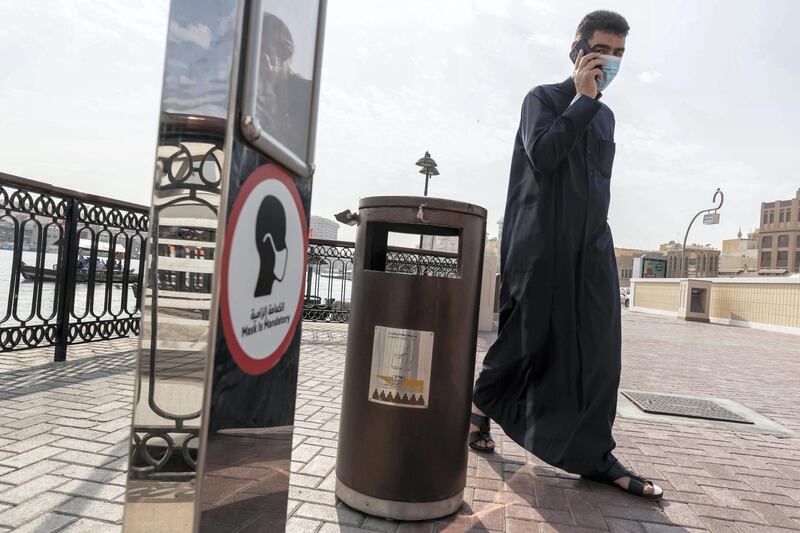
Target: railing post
66,280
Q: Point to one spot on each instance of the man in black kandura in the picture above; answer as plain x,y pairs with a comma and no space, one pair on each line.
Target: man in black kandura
550,379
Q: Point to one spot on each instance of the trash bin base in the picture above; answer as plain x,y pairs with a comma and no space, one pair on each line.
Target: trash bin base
398,510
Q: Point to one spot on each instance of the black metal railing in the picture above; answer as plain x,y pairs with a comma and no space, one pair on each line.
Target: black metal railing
70,266
330,274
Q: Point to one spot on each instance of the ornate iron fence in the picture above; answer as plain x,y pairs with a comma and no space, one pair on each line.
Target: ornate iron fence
70,266
330,274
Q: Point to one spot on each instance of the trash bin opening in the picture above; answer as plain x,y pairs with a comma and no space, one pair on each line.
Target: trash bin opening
443,261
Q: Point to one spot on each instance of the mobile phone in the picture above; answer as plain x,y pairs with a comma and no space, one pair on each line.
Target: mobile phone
582,45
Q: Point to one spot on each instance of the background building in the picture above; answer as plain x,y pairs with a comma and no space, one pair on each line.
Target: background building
625,263
440,244
739,256
493,246
779,236
499,234
323,228
702,261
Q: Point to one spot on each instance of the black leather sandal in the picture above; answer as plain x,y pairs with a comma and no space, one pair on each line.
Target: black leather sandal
481,435
636,483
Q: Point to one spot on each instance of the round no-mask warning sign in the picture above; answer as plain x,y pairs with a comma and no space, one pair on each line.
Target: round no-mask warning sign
263,267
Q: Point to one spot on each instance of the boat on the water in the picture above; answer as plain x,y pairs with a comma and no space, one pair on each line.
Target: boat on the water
29,272
84,274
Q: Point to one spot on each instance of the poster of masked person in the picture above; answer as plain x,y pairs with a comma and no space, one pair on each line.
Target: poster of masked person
262,270
281,92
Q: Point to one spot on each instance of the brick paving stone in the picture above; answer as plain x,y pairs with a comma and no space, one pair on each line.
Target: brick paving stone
716,525
550,528
329,513
305,494
46,524
416,527
81,445
377,524
727,514
99,510
86,525
538,514
302,525
99,491
302,480
24,445
340,528
620,525
725,498
21,475
305,452
772,515
320,465
83,458
31,509
85,473
631,513
329,483
31,489
30,457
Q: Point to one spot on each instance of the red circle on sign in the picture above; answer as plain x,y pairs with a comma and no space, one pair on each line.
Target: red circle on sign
248,364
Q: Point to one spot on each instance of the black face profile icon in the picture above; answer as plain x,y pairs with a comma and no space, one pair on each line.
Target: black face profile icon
271,244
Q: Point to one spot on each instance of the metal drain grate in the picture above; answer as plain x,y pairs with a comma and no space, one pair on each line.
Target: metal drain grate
663,404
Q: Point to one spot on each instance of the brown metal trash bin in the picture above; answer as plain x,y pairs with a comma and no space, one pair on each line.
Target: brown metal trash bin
410,364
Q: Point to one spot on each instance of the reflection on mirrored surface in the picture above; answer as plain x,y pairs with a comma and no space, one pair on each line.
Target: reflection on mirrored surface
246,479
285,70
175,319
282,68
179,262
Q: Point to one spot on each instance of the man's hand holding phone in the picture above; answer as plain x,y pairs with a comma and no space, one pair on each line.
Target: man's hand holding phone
588,68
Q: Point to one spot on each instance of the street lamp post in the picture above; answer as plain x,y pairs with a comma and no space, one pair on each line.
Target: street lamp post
714,220
429,169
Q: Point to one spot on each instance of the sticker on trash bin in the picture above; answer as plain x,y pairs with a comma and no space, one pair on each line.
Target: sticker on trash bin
401,367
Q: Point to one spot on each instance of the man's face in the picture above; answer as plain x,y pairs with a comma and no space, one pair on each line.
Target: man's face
608,44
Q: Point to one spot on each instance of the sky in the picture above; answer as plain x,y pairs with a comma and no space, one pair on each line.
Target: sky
707,97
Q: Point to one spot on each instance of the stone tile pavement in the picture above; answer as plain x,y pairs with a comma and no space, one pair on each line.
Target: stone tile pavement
64,428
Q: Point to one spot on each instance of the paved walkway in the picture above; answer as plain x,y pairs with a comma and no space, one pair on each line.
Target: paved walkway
64,430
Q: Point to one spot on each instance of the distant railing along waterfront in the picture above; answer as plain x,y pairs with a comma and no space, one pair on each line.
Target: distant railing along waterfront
330,274
70,266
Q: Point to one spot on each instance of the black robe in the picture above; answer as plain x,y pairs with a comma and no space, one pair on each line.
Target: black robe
550,379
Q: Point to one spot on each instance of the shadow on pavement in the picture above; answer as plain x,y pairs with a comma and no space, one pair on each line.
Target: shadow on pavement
45,377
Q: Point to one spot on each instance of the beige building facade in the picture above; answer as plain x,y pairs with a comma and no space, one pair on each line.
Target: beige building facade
702,261
438,243
493,246
739,256
779,237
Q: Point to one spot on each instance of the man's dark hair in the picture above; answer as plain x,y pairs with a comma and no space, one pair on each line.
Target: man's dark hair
605,21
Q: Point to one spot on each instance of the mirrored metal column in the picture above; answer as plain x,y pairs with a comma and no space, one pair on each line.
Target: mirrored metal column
226,264
183,240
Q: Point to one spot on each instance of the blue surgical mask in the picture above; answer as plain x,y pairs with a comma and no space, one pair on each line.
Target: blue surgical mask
609,71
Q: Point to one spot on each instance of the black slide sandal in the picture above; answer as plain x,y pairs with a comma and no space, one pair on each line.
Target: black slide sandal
636,483
481,435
